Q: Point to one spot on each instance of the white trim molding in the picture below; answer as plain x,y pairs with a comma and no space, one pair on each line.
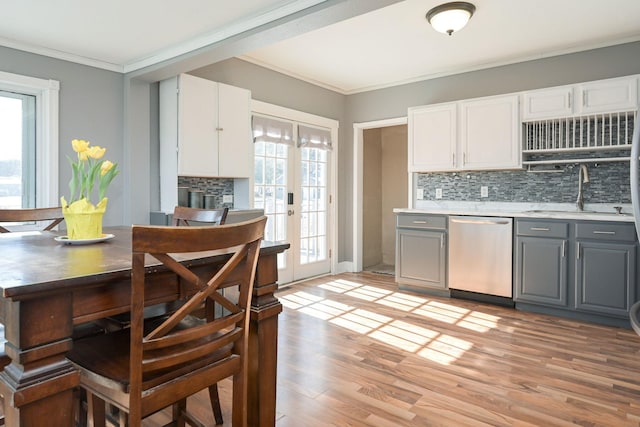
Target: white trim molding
358,149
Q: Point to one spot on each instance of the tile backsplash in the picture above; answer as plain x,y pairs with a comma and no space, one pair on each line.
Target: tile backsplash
217,187
608,183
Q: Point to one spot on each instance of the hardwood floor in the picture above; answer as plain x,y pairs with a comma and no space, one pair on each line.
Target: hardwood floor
354,351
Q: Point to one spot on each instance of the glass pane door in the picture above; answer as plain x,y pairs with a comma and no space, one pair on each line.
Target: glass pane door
271,185
313,255
291,185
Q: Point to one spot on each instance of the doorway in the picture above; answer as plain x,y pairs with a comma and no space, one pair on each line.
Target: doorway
381,184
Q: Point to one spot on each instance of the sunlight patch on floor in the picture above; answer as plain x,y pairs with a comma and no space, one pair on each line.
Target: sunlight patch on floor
395,341
480,322
425,342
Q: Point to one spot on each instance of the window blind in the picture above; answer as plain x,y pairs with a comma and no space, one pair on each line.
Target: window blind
267,129
314,137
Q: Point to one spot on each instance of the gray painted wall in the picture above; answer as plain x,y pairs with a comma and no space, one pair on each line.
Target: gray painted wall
91,107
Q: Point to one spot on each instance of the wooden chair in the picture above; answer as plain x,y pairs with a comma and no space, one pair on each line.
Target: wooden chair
182,215
145,368
35,214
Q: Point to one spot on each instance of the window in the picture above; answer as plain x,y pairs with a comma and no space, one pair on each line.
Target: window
28,142
17,154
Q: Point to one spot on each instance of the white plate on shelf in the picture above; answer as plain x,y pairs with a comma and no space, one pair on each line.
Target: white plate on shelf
65,240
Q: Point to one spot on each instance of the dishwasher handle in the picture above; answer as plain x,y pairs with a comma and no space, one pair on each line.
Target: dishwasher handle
480,221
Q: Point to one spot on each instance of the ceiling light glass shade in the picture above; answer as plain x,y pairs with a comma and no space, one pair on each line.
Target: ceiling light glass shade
450,17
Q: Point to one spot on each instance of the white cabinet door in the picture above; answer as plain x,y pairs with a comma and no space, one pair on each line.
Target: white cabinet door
489,133
547,103
235,146
214,133
197,126
608,95
432,138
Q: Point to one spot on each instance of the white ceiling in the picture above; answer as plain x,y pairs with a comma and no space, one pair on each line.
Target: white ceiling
386,47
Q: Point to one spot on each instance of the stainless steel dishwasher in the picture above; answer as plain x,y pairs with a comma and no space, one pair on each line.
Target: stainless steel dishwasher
480,255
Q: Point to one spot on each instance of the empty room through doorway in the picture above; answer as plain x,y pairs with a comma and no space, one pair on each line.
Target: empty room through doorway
385,187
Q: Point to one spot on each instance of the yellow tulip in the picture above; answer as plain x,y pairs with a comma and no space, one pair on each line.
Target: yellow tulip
85,171
106,167
80,145
96,152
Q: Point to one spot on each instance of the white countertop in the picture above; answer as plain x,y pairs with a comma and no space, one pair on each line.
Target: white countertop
593,212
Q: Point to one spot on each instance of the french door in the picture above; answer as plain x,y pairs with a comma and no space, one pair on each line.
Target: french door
292,185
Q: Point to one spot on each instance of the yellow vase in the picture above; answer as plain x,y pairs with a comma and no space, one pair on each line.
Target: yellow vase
83,219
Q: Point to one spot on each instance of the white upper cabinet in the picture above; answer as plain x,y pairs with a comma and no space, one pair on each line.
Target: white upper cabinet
547,103
213,127
432,137
602,96
475,134
205,130
608,95
489,133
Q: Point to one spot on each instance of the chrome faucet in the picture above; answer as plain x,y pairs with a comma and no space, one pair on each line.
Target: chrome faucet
583,177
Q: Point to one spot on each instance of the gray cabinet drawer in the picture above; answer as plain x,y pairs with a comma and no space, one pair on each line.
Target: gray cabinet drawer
611,231
542,228
422,221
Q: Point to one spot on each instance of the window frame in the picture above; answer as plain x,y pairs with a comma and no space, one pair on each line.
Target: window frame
46,93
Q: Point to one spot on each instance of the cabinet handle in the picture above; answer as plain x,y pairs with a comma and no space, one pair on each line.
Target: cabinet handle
539,229
569,99
578,250
611,233
584,98
219,129
464,159
453,159
564,248
442,240
419,222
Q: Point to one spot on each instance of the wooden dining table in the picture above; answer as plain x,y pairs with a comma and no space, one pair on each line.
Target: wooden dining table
49,288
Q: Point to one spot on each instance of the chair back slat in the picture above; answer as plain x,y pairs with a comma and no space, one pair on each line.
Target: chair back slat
163,239
182,215
189,351
178,342
194,333
35,214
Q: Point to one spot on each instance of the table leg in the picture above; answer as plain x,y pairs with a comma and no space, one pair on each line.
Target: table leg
263,345
38,384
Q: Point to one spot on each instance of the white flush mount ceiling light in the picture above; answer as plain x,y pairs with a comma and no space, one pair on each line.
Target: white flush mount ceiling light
450,17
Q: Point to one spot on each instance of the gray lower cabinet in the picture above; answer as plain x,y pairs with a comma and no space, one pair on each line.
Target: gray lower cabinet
605,268
586,269
421,251
542,271
541,262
